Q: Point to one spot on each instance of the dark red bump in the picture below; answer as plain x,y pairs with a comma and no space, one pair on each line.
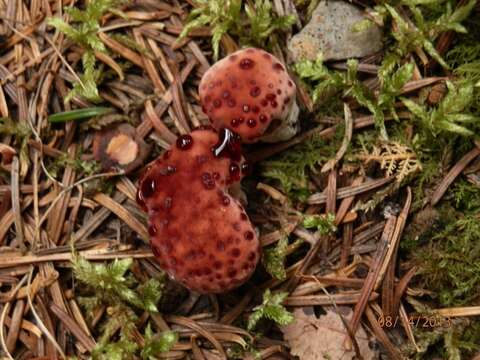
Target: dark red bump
251,256
152,230
249,235
167,203
278,67
246,64
231,103
231,273
263,118
279,92
155,250
220,246
225,200
251,123
235,252
290,83
217,103
208,181
255,109
271,96
255,91
264,102
274,104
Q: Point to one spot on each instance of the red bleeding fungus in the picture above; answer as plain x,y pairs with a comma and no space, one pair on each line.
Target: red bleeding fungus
191,215
261,84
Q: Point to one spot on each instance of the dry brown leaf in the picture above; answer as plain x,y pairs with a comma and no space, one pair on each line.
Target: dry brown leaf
312,338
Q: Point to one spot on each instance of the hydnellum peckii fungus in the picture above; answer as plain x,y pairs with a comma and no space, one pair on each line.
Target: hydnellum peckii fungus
120,147
251,93
200,234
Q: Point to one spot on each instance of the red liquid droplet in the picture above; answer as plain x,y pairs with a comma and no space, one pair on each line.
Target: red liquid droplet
235,122
246,64
251,123
184,142
152,230
274,104
148,187
228,144
141,201
234,171
246,168
263,118
246,108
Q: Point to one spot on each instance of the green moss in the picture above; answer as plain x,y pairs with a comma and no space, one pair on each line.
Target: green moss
290,169
253,24
83,30
450,263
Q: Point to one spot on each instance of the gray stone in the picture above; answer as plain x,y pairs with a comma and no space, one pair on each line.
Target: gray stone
330,32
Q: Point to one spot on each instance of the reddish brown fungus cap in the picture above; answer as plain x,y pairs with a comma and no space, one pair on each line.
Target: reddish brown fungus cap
248,92
200,235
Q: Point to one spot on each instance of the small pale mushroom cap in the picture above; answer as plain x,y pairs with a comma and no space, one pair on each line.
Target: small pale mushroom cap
251,93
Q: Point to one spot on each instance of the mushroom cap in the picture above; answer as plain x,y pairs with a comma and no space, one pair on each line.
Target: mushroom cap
248,92
120,147
200,235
